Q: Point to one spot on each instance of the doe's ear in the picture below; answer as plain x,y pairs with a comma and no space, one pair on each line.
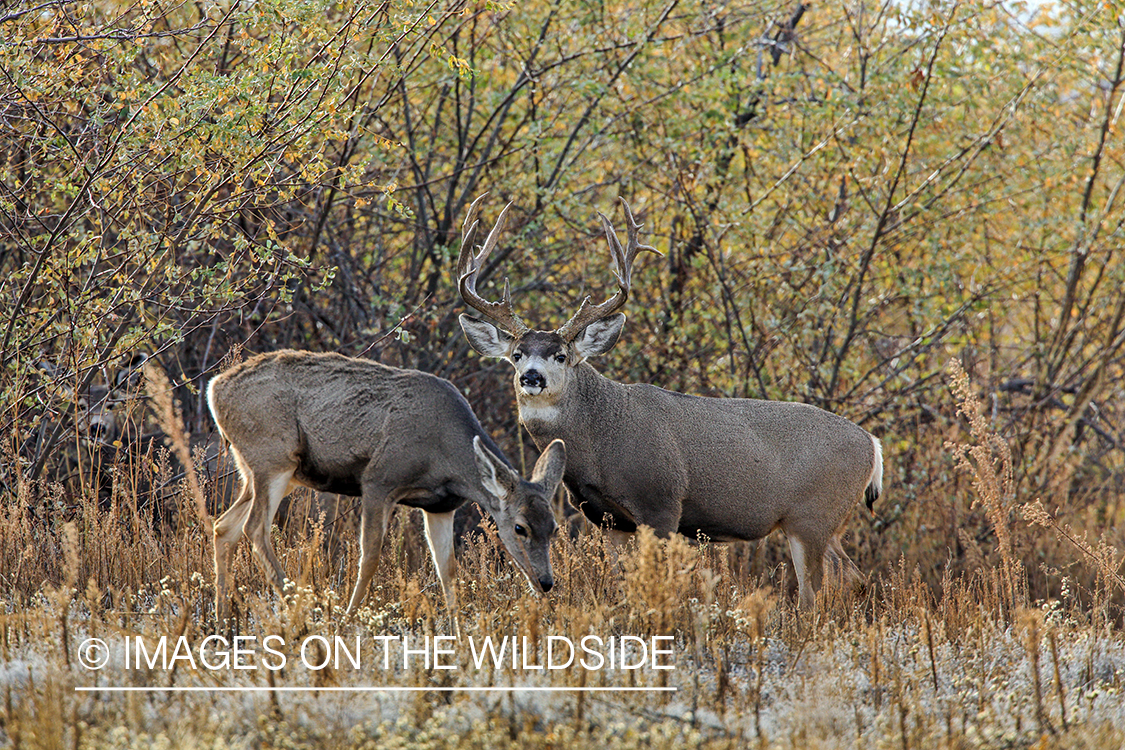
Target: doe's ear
131,374
548,471
600,336
494,474
487,339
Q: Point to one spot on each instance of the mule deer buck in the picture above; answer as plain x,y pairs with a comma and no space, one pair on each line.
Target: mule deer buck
388,435
728,469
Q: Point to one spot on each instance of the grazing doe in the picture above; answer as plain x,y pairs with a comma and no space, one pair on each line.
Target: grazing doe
392,437
722,468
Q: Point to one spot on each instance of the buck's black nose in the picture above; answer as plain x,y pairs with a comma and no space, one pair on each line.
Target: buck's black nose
546,583
533,379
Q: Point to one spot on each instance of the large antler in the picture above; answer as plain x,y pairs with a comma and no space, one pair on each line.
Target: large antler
622,271
468,268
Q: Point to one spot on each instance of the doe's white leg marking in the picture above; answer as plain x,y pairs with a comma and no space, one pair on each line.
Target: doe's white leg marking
263,507
228,530
439,536
797,552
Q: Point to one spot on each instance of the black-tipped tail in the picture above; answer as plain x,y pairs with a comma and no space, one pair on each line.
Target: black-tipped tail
875,484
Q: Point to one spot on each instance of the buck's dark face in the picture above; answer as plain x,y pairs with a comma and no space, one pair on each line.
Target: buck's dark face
106,415
544,361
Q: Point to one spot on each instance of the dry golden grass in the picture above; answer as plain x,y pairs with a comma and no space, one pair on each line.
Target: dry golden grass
969,661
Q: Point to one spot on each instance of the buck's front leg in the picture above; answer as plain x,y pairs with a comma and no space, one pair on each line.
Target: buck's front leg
808,564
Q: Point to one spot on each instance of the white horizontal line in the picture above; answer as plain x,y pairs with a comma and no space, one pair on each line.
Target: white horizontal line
386,689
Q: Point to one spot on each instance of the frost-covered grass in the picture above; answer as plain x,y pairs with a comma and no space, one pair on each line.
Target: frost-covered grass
896,667
969,662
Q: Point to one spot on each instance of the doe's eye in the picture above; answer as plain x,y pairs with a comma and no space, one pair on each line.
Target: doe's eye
560,358
517,357
520,530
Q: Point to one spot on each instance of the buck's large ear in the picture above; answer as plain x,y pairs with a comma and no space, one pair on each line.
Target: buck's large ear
486,338
600,336
494,475
548,471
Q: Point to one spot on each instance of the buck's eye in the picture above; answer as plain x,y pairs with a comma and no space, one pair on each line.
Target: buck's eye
560,358
517,357
520,530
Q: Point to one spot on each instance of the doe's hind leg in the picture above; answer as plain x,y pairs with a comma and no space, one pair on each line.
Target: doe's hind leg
227,532
808,564
269,491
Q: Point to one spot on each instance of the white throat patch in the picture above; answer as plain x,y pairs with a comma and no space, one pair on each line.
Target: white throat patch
531,413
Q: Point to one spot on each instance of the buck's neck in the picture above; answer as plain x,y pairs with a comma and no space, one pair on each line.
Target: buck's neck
588,399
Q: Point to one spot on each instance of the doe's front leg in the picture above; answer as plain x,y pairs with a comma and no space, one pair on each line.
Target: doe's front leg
375,514
439,536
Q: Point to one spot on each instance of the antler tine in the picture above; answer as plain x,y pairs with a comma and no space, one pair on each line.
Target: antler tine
622,271
634,247
468,230
471,217
469,265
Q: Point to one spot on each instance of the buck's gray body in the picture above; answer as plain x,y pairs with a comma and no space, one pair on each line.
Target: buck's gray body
728,469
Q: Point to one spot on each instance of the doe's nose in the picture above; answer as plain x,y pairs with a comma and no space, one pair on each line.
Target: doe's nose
533,379
546,583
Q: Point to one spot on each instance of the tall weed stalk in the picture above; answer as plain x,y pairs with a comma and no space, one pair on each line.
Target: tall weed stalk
987,458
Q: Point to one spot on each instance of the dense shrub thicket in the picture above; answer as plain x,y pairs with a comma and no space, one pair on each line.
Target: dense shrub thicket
847,196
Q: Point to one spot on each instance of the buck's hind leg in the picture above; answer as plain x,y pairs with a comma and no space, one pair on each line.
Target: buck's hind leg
439,536
843,571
